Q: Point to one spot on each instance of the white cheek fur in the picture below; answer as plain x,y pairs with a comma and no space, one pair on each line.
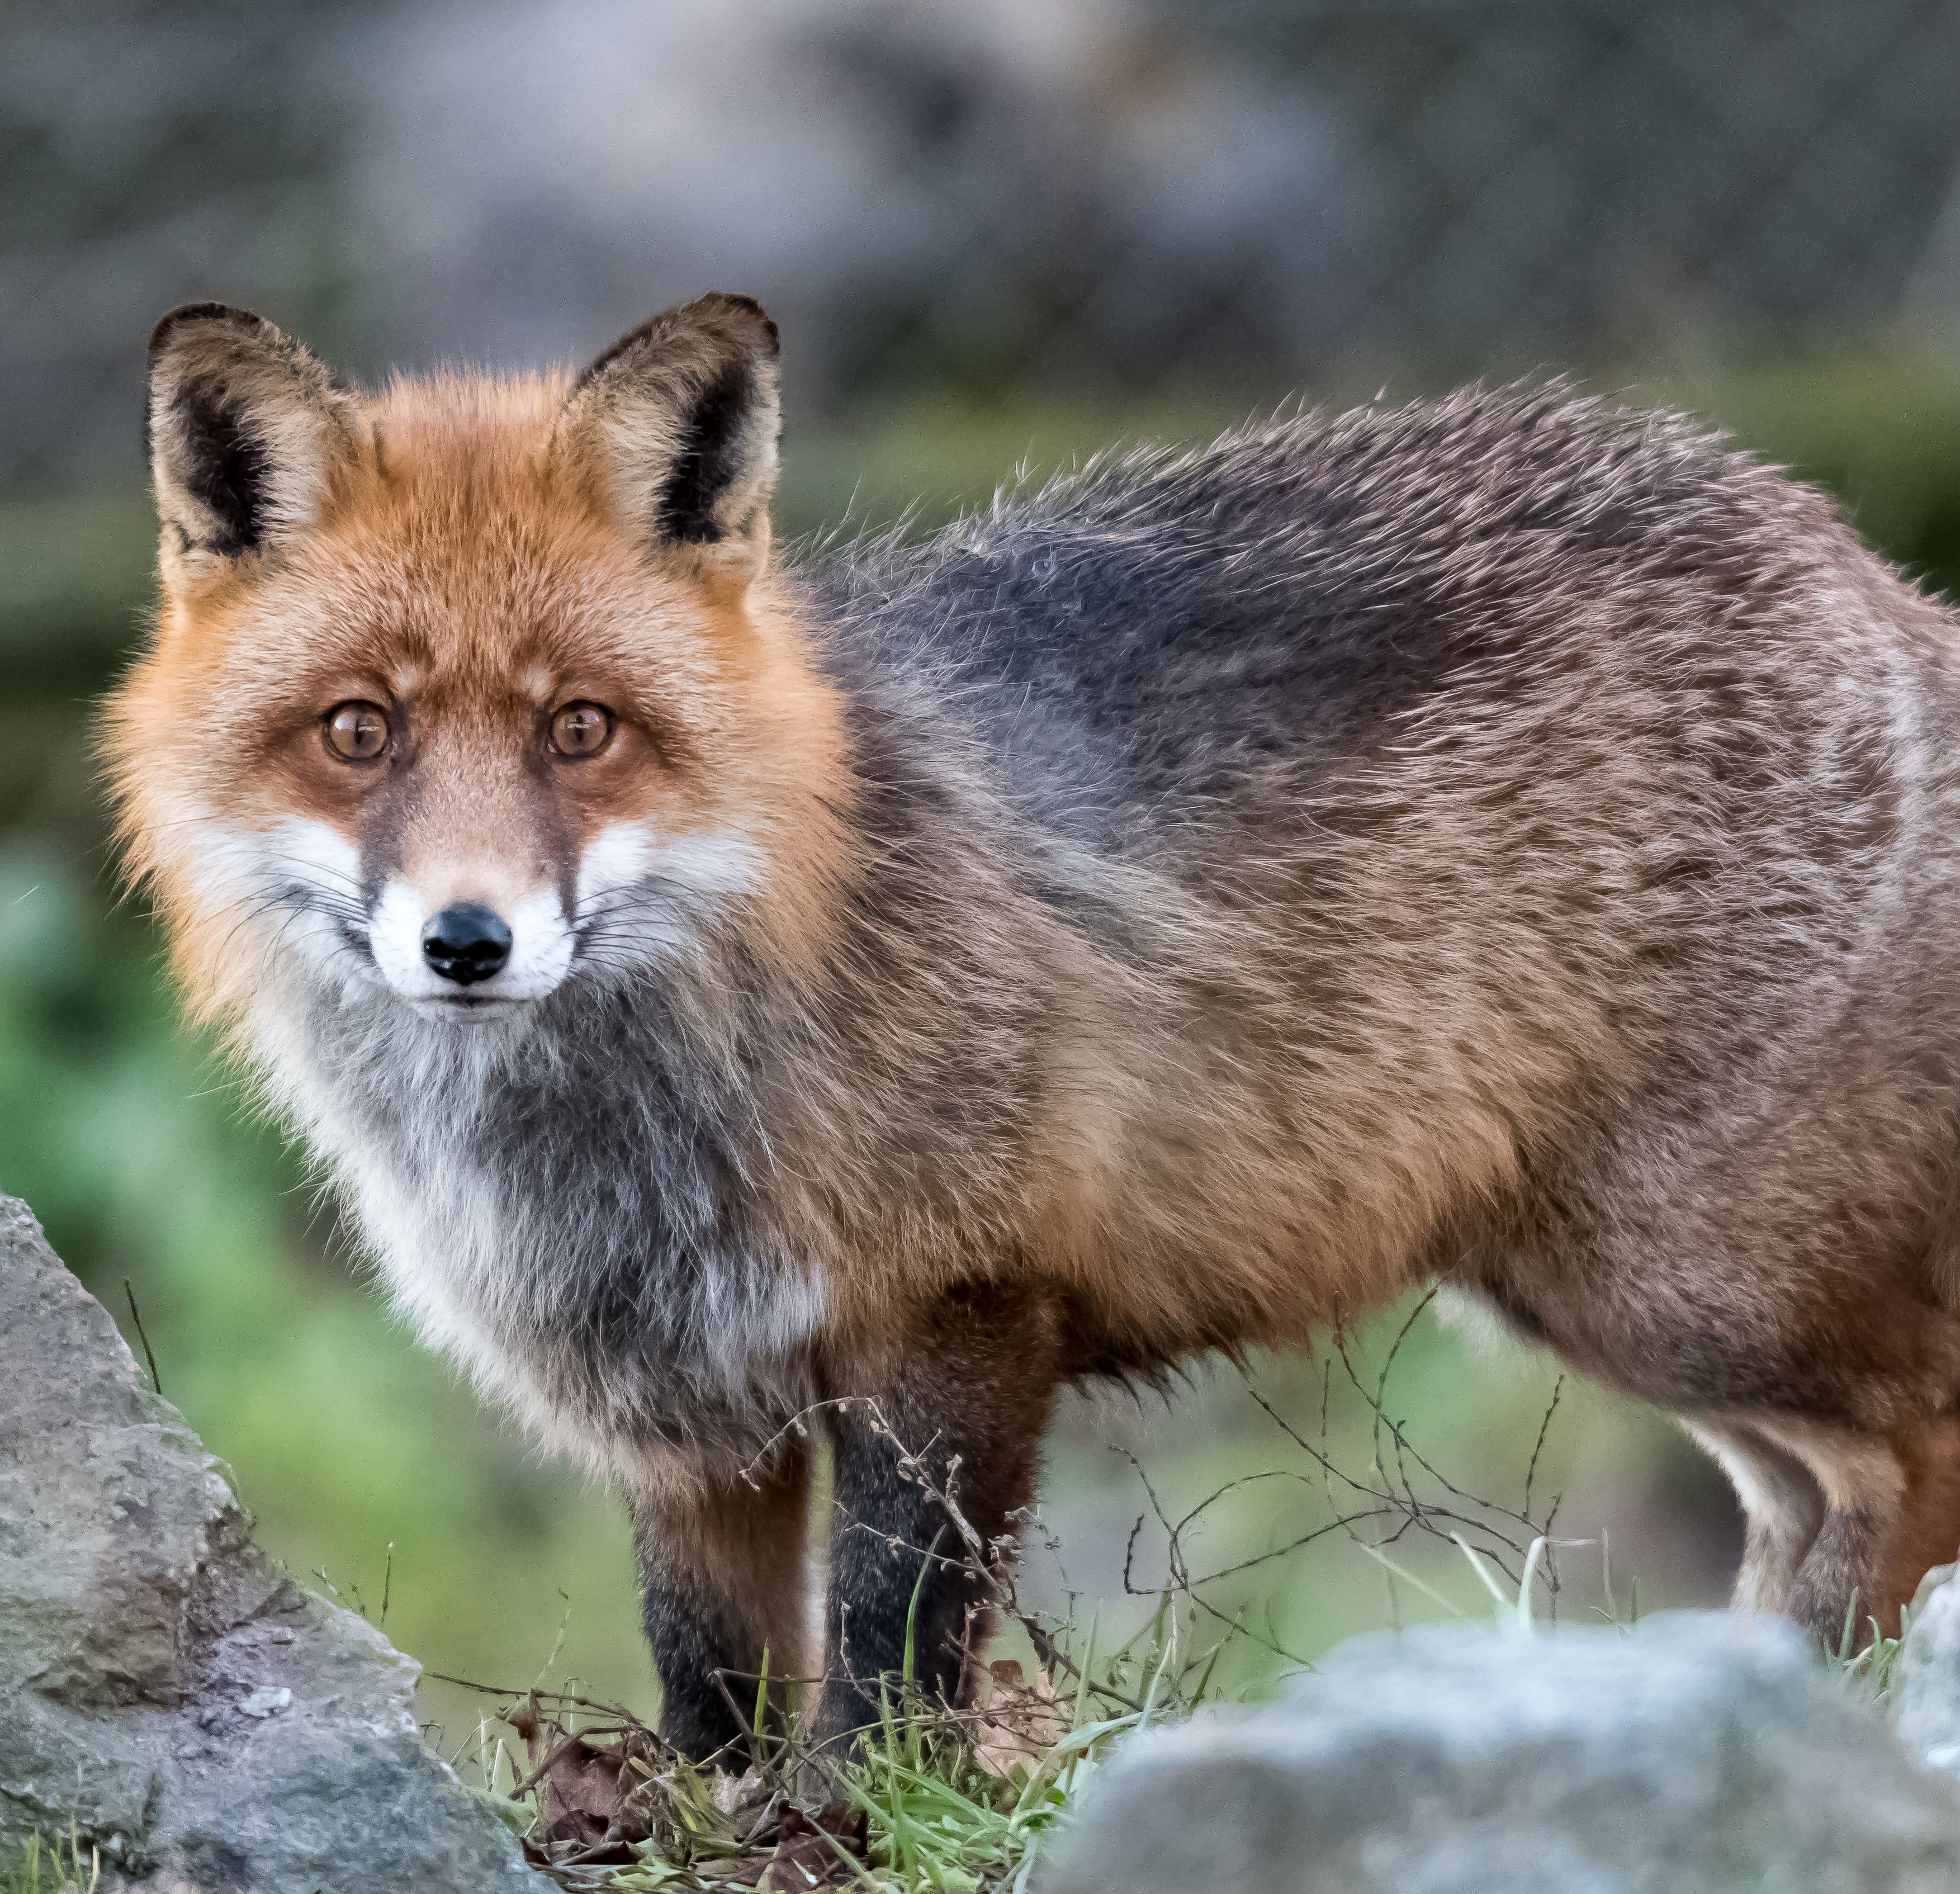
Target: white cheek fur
299,878
541,945
236,863
394,933
644,896
614,859
725,861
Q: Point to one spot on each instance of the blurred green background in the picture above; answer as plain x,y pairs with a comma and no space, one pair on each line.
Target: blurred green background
993,231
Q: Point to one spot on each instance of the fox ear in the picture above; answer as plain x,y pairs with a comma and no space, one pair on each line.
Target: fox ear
679,421
243,431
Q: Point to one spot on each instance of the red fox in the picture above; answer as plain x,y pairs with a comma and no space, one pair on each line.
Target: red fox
1506,840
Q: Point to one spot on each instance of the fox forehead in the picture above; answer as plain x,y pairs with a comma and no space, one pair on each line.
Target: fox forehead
458,564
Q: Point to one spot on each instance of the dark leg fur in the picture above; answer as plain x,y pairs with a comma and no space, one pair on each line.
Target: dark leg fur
959,1416
722,1581
1891,1511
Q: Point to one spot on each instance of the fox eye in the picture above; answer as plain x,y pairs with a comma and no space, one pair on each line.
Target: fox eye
356,732
580,729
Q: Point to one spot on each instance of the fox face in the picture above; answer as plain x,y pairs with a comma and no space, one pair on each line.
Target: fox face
470,688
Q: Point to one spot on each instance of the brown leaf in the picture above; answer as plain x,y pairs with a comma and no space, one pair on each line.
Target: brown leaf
588,1783
579,1794
1018,1723
816,1850
798,1866
845,1822
757,1825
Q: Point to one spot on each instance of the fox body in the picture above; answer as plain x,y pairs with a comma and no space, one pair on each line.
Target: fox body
1505,840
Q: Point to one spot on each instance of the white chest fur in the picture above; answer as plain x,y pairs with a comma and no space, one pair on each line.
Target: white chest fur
568,1293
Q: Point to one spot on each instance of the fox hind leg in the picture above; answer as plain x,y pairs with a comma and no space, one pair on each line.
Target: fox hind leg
1842,1522
1846,1578
1891,1512
1783,1508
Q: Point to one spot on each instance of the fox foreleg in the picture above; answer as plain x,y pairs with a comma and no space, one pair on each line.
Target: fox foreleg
723,1582
931,1457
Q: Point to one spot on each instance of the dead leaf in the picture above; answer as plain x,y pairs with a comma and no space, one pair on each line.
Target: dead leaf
602,1790
813,1851
1018,1723
732,1793
588,1784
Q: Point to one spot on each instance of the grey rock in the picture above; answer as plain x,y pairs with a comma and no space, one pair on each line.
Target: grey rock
1926,1688
204,1722
1696,1755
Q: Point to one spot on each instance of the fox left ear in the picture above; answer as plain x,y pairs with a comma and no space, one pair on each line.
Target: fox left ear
679,421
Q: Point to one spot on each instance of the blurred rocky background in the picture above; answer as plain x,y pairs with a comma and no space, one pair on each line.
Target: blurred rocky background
993,231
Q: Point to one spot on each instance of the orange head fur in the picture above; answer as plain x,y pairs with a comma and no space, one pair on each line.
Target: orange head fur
470,646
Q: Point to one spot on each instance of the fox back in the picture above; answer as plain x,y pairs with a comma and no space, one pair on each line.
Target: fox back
1505,839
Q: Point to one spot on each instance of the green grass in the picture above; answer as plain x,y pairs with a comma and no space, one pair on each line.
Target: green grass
61,1866
937,1802
1868,1670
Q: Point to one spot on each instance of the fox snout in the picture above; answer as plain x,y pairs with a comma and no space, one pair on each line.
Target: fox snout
470,953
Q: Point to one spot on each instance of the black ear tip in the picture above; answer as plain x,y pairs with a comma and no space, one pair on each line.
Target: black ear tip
743,312
731,323
241,319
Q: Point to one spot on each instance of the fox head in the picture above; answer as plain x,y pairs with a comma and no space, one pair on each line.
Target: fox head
468,688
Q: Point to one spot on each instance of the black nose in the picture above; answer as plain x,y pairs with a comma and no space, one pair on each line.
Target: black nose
466,943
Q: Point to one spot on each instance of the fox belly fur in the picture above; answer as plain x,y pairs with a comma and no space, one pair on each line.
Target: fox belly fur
1505,840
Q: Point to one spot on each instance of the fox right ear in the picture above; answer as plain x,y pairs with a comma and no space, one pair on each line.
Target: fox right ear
242,430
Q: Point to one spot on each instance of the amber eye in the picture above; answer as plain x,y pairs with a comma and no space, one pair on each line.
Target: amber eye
357,732
580,729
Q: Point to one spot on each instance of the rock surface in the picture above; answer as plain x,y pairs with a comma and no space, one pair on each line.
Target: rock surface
203,1721
1926,1688
1695,1755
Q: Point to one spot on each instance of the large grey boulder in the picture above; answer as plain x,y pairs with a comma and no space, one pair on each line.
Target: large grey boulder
203,1721
1695,1755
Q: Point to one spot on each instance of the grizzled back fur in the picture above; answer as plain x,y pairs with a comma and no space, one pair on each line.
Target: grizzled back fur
1505,839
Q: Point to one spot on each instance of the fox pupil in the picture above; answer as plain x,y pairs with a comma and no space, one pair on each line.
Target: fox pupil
580,729
359,732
